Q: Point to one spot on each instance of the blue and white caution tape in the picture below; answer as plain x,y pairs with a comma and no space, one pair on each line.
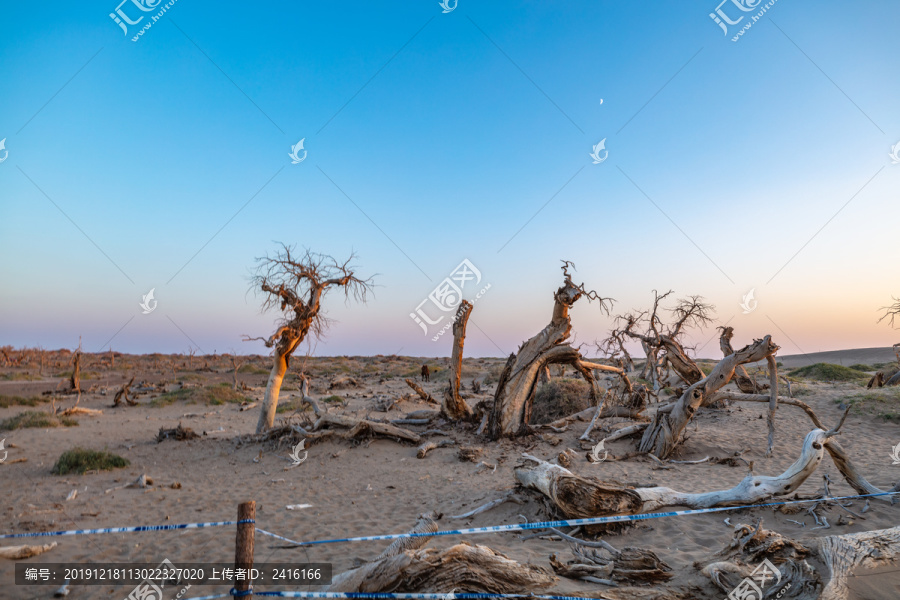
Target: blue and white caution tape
274,535
400,596
126,529
566,523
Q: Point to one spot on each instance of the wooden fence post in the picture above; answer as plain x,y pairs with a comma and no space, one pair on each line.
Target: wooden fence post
243,546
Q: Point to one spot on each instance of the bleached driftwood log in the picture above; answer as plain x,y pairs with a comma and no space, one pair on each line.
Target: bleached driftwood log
19,552
578,496
664,433
453,405
840,457
78,410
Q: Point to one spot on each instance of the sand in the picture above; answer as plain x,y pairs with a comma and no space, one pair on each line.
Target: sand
379,486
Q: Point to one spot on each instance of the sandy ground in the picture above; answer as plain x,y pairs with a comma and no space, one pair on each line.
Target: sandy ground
379,486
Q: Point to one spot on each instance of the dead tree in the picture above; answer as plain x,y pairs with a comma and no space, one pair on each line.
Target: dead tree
579,497
664,433
890,313
614,348
453,405
742,379
123,394
191,352
839,559
661,343
75,379
296,287
513,398
236,365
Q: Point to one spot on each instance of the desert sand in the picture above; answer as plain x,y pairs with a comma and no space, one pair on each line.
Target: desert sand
372,486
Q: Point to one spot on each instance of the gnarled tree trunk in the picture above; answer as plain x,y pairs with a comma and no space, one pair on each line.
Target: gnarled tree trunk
664,433
513,398
742,379
453,405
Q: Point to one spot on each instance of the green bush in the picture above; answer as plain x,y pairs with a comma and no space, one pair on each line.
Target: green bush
883,403
829,372
80,461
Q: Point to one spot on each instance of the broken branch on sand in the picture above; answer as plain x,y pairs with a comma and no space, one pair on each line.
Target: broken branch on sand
25,551
427,447
422,393
361,426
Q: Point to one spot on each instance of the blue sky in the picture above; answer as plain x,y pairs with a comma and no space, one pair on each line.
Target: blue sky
432,138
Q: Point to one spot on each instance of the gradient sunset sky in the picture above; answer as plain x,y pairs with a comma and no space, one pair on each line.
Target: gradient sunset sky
435,137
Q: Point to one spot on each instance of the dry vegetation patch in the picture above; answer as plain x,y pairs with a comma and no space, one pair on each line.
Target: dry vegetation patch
36,419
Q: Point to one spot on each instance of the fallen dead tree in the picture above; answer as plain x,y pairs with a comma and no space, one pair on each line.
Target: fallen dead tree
362,427
840,456
791,573
577,496
405,566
